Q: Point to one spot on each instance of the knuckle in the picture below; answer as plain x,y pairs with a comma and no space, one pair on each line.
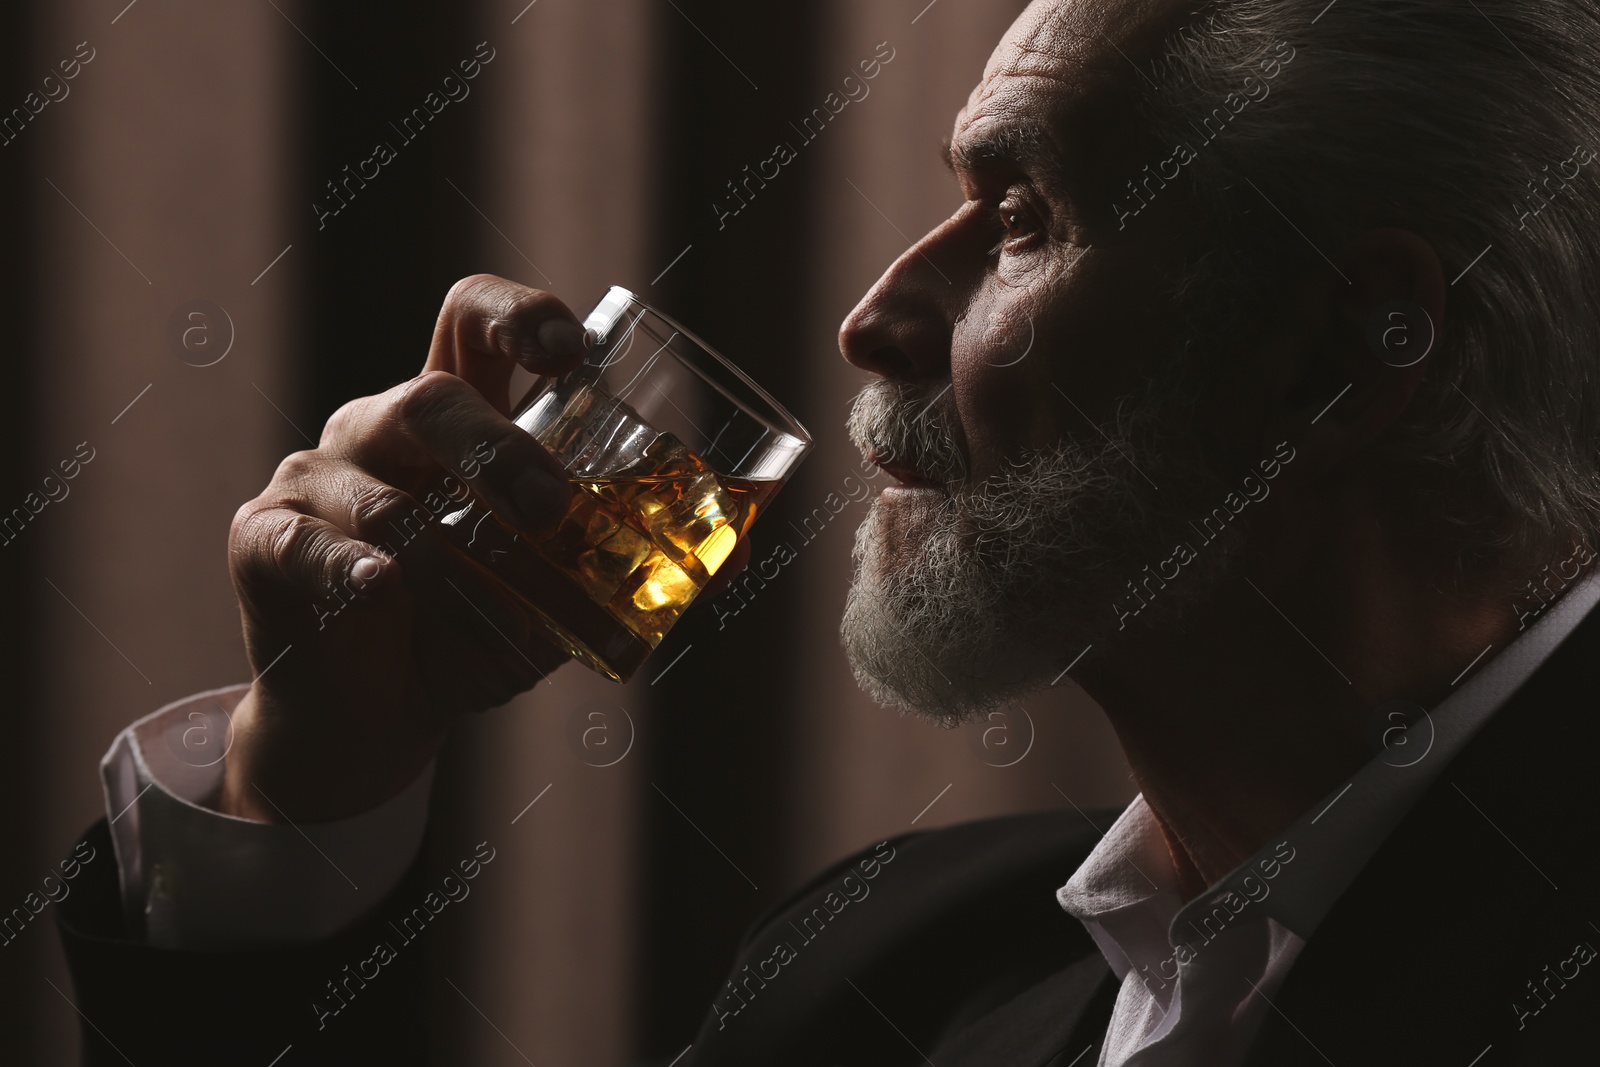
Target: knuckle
239,530
297,467
426,396
349,421
485,305
254,544
375,505
464,293
293,545
526,308
489,292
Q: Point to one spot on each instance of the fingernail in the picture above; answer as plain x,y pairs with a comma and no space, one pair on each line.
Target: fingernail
362,574
561,338
540,498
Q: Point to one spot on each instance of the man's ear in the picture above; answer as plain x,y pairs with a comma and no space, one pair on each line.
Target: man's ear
1359,341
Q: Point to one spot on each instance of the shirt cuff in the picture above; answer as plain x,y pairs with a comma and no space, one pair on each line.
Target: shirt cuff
194,878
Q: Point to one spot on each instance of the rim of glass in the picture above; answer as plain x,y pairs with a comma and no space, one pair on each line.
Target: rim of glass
794,425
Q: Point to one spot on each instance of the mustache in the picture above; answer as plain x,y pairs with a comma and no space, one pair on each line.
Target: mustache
911,425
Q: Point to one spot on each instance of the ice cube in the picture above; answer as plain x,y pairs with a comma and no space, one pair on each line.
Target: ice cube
608,564
599,527
665,585
692,511
713,551
627,543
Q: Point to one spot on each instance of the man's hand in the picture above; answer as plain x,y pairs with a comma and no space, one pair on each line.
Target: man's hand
384,651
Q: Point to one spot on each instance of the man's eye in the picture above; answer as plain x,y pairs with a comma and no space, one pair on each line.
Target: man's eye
1015,223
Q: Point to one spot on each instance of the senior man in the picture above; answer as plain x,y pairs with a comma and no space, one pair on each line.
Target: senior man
1314,529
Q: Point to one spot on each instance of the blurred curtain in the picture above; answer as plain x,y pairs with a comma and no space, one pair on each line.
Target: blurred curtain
638,828
155,177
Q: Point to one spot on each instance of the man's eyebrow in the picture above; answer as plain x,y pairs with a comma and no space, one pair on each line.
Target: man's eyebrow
1028,146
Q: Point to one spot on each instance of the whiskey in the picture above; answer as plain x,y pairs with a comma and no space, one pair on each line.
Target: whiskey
634,549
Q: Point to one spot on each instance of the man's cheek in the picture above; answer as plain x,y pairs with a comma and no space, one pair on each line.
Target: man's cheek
1010,341
993,370
1009,412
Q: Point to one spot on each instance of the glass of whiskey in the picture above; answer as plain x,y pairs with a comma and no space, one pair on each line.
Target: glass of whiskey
672,452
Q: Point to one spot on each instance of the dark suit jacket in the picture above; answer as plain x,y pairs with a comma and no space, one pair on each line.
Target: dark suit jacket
1471,933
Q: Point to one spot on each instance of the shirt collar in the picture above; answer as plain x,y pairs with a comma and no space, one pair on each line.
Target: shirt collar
1126,891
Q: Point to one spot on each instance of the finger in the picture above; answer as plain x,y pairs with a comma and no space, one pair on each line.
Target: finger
360,505
438,420
370,511
279,555
488,325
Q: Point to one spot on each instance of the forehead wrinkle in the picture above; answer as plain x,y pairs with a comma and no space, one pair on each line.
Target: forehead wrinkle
1016,128
1057,63
1080,42
1065,67
1045,30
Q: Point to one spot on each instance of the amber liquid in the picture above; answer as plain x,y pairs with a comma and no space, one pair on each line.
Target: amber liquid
632,552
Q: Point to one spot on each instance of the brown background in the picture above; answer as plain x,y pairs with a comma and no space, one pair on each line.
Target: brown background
186,157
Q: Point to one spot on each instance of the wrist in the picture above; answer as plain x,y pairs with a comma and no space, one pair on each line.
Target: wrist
310,767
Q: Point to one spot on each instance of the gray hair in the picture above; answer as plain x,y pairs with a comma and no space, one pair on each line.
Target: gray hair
1459,121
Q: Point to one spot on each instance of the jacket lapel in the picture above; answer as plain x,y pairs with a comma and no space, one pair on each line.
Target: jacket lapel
1052,1024
1464,935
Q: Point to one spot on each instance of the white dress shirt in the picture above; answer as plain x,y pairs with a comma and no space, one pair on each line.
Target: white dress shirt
1198,978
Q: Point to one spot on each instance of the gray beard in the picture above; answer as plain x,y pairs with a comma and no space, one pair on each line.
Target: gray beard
1019,575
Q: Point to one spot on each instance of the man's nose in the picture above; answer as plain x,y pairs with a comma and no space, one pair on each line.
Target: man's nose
902,327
